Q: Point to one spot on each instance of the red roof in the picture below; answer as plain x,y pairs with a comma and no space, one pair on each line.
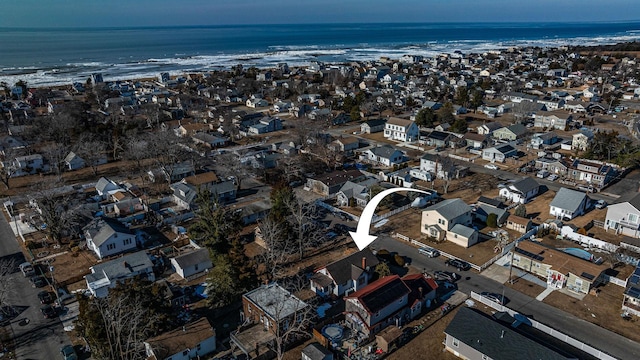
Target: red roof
376,285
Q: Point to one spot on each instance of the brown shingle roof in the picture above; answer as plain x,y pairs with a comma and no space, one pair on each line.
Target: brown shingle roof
204,178
399,121
187,337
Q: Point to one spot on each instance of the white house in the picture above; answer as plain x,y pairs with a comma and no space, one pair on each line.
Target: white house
108,274
27,164
73,162
106,237
521,191
192,263
449,219
567,204
581,140
385,155
499,153
624,217
194,340
401,130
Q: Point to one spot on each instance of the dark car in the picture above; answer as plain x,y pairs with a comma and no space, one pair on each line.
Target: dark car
458,264
446,276
38,281
46,297
48,311
500,299
68,353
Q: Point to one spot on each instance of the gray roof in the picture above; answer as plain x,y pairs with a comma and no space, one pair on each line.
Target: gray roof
462,230
526,184
489,209
341,271
375,122
275,301
315,351
199,256
450,208
121,268
635,201
102,184
102,228
189,191
518,129
568,199
385,151
496,340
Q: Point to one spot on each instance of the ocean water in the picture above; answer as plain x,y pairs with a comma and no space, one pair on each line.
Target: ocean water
61,56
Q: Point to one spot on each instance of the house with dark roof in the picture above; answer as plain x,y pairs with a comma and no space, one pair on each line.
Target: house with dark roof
631,296
449,219
378,305
624,217
385,155
568,204
330,183
355,193
510,133
346,275
438,138
190,341
472,334
476,141
521,191
108,274
591,172
499,153
186,190
192,263
315,351
557,268
107,237
483,210
488,128
372,126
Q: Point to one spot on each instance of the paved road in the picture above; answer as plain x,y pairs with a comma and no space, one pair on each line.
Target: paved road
35,336
589,333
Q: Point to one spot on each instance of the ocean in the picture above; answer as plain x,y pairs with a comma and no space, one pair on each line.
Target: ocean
44,57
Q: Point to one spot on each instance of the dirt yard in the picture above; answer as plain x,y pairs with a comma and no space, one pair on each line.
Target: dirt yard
526,287
603,310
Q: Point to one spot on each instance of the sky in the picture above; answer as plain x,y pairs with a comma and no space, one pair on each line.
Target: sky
118,13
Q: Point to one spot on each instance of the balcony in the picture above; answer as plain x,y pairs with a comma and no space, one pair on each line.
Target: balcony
628,224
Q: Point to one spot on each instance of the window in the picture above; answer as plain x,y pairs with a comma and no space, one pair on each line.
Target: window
516,258
196,267
111,246
633,218
126,241
455,342
184,353
485,357
198,347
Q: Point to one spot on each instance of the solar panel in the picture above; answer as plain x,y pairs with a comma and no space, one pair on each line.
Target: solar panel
637,271
587,276
633,291
529,254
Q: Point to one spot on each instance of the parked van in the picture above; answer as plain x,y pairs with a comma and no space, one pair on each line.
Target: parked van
542,174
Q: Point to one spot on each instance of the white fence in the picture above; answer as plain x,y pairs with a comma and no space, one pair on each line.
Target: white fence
546,329
335,209
587,240
390,213
615,280
462,158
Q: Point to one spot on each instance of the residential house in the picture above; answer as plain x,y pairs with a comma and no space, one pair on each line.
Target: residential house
266,125
559,269
521,191
476,141
330,183
192,263
315,351
488,128
107,187
631,295
355,193
10,143
545,139
482,211
107,237
499,153
576,107
172,172
344,276
385,155
73,162
209,140
108,274
591,172
27,165
624,217
558,119
376,306
373,126
519,224
552,165
449,219
256,103
190,341
438,139
581,140
401,177
568,204
423,293
472,334
189,129
346,144
432,165
510,133
401,130
186,191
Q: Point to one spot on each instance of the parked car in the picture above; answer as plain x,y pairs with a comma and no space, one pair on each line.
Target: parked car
500,299
491,167
430,252
458,264
68,353
38,281
46,297
27,269
446,276
601,204
542,174
553,177
48,311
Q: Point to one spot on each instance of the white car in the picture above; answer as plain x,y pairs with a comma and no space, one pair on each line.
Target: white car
491,166
553,177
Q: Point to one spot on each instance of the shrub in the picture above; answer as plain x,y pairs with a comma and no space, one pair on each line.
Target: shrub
492,220
399,260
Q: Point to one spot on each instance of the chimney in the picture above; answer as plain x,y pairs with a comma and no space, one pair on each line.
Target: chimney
184,328
420,291
502,335
364,262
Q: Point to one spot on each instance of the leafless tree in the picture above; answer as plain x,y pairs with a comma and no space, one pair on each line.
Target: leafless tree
55,153
610,255
137,149
167,150
58,208
91,150
276,252
229,165
7,169
448,172
524,109
7,285
305,231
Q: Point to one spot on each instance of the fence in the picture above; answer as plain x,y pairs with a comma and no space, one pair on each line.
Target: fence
335,209
390,213
462,158
615,280
546,329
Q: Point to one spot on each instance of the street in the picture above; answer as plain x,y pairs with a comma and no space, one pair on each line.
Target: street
35,337
589,333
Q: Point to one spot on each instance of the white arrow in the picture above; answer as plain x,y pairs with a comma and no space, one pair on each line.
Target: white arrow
361,236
